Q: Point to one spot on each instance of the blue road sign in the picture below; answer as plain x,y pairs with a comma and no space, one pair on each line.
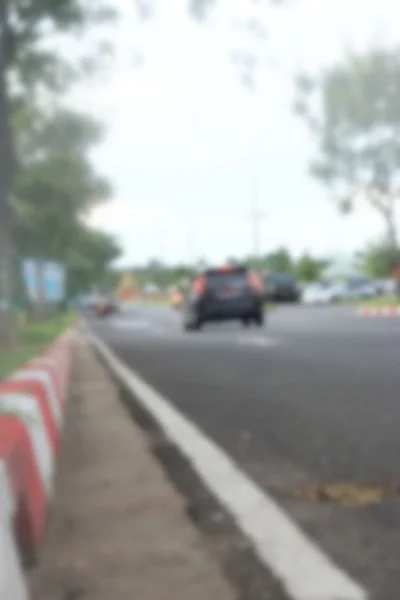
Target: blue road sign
54,278
53,275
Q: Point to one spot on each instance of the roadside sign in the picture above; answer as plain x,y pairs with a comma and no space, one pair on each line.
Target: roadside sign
54,280
47,279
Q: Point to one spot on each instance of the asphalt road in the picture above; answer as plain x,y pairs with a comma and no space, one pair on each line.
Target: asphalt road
313,397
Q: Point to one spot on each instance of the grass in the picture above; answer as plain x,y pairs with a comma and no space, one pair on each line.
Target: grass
378,301
32,340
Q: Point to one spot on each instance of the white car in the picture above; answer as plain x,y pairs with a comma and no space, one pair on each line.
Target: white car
317,294
329,293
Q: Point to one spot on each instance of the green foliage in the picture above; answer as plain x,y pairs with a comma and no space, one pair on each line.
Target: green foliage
33,339
377,260
358,131
309,268
89,259
279,261
306,268
54,189
56,184
65,132
33,21
47,150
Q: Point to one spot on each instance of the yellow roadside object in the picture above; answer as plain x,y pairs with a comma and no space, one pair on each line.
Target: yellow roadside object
176,298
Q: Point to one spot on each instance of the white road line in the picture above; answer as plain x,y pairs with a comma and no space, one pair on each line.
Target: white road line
304,570
141,325
130,323
261,342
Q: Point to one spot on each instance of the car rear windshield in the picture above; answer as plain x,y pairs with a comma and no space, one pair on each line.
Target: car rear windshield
218,279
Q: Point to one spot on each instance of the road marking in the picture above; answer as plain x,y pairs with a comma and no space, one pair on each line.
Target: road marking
262,342
305,571
136,325
130,323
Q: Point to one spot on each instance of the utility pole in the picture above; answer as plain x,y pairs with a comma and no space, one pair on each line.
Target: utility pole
256,215
190,240
7,164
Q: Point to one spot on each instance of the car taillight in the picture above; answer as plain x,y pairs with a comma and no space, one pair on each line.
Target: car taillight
199,286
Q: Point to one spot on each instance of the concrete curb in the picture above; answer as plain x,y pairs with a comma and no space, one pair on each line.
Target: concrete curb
32,403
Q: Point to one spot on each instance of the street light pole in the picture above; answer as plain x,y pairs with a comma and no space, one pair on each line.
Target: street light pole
256,215
190,238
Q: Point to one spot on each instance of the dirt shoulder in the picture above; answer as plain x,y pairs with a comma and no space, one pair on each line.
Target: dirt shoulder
118,528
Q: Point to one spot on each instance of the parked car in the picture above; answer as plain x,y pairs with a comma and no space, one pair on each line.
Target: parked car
323,293
281,287
221,294
316,294
331,292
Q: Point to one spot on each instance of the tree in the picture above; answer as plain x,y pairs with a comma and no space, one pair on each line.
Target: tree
358,132
89,258
7,166
377,260
279,261
37,65
309,268
29,65
56,185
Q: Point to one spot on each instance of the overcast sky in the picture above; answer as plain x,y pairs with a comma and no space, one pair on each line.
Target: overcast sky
184,135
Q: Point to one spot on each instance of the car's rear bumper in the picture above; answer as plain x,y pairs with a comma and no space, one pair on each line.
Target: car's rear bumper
239,308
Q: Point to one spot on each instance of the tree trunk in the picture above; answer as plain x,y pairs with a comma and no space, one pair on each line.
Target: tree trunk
8,334
41,293
7,321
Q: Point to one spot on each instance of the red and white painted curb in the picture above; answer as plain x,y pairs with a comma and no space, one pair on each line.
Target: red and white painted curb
32,403
380,311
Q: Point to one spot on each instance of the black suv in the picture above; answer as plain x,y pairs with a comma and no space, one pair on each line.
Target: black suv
281,287
223,294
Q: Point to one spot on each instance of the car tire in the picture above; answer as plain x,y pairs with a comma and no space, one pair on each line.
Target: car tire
259,318
193,325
